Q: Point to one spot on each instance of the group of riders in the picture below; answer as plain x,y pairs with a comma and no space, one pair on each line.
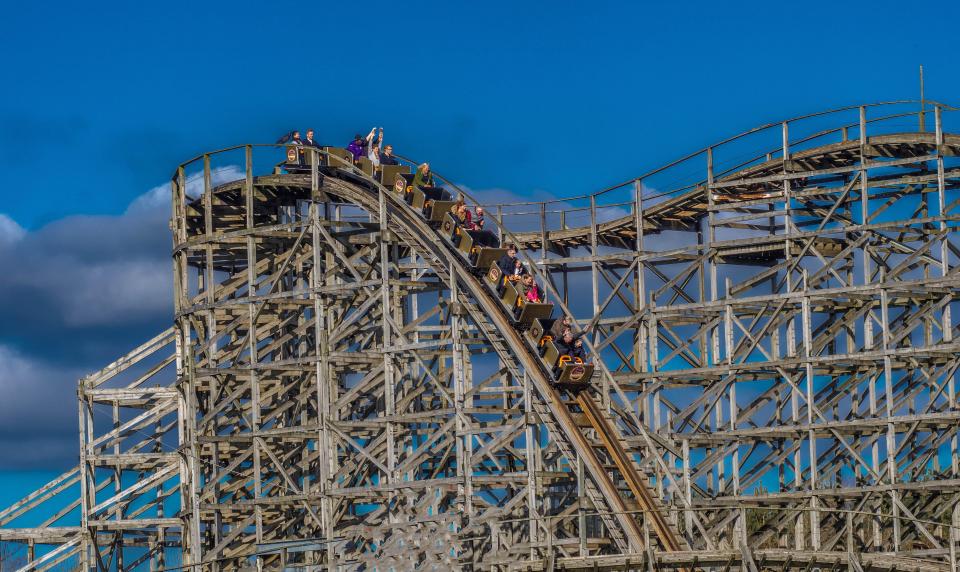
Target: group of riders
568,341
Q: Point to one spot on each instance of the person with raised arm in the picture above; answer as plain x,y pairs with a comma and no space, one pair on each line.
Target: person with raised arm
373,147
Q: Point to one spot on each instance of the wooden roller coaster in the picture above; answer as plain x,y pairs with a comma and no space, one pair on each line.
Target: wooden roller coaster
349,384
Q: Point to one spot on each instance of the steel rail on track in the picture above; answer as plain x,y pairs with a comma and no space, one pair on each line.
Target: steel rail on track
609,435
634,480
531,365
491,311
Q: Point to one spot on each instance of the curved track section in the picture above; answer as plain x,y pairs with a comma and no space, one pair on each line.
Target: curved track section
739,189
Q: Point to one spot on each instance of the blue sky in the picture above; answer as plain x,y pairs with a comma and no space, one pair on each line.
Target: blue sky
559,98
497,94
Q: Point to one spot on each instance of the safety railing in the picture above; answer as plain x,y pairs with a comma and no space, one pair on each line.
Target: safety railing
686,174
733,154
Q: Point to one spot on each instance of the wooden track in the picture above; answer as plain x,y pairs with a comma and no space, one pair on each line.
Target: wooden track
683,211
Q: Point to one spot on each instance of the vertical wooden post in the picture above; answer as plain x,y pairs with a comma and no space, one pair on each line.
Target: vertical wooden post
252,336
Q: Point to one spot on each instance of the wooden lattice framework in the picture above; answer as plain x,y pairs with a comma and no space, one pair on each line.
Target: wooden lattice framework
776,318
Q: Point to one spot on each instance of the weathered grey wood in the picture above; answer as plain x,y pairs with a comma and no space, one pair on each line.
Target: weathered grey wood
795,352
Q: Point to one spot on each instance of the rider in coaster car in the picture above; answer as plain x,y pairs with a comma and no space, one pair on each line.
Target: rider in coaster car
387,157
373,147
529,289
464,217
507,262
461,213
565,323
571,345
517,271
423,178
356,148
477,220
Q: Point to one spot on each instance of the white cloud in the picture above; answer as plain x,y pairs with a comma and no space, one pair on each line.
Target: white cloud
37,412
105,294
156,198
159,197
85,290
98,270
10,231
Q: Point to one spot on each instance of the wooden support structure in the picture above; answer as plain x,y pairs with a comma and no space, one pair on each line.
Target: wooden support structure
774,340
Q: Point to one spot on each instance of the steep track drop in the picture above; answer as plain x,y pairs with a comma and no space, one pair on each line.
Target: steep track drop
515,353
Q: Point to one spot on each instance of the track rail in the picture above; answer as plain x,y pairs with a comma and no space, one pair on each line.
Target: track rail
513,350
613,443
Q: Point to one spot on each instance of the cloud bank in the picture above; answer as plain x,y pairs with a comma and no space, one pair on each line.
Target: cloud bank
83,290
76,294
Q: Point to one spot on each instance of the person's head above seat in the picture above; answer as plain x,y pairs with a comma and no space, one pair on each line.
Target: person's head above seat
479,211
296,134
388,150
567,336
310,134
358,139
527,279
512,249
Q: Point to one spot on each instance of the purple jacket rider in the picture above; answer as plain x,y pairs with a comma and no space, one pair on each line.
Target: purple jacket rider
356,148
